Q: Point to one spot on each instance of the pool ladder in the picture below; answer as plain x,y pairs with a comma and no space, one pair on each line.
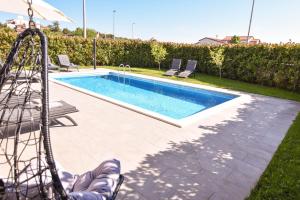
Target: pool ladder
124,67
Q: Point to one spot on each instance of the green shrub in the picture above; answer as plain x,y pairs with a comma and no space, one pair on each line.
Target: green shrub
270,65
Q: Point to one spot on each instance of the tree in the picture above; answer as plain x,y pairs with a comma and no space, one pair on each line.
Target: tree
91,33
78,32
235,40
66,31
55,27
217,56
158,52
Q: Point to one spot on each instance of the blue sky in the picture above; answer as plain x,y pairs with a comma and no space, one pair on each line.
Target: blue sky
187,20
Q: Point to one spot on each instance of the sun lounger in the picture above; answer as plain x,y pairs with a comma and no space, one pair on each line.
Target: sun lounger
23,76
176,64
52,66
31,117
64,62
15,99
190,68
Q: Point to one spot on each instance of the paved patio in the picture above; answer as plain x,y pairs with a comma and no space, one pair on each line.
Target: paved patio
220,157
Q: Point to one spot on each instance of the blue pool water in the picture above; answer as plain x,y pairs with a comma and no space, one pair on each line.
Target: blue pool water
172,100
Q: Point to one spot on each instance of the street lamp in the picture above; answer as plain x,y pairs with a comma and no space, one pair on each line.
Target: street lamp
114,16
84,19
132,30
250,23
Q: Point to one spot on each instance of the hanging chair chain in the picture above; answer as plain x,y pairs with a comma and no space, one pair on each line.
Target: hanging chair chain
30,14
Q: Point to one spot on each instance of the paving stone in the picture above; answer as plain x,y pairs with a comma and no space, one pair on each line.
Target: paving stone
133,196
167,159
154,189
216,148
244,167
201,194
254,149
256,161
215,167
242,180
229,191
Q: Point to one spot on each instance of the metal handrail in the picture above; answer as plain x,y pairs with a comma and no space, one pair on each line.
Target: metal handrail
128,66
124,67
121,65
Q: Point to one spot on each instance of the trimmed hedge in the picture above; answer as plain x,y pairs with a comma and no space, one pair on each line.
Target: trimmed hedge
270,65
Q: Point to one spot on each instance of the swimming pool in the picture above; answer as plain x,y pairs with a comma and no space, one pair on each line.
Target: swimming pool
167,99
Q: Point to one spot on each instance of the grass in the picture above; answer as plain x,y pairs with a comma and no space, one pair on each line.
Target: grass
281,179
222,83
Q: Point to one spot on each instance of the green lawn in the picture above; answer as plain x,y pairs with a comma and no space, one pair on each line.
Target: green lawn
281,180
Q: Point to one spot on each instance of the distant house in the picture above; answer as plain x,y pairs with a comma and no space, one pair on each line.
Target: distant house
243,39
207,41
19,24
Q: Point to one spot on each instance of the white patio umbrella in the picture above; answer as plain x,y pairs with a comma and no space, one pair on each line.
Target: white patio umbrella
40,8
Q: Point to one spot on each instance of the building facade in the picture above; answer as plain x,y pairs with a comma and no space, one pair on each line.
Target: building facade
207,41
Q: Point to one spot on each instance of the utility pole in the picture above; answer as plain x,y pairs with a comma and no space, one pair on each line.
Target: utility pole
84,19
132,30
114,16
250,23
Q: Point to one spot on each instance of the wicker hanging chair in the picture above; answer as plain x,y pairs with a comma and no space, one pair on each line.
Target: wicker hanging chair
27,166
28,169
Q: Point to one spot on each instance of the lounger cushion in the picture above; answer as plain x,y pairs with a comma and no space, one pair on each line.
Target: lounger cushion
170,72
98,184
184,74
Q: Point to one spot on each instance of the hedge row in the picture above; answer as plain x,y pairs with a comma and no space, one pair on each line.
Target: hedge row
271,65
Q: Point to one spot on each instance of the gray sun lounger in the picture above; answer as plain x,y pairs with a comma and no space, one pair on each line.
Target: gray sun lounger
15,99
31,117
64,62
190,68
22,77
176,64
52,66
